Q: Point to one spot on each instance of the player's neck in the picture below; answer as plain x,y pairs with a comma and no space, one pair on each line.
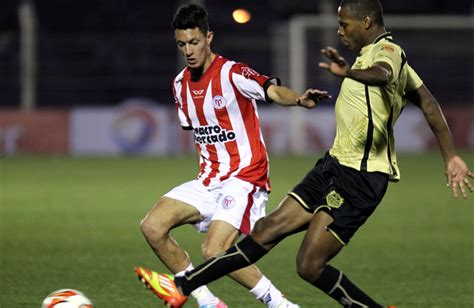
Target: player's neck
371,37
378,31
196,73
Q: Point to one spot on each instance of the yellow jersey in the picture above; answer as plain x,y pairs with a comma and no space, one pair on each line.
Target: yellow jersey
365,115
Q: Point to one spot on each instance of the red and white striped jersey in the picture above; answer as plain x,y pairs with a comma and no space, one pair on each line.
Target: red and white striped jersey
221,110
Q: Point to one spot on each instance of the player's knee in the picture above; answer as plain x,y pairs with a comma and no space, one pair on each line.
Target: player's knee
153,229
309,270
210,251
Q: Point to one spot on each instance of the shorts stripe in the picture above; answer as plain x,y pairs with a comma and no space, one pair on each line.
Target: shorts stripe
299,200
245,225
336,236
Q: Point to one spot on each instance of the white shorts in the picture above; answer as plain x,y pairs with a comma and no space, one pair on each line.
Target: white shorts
234,201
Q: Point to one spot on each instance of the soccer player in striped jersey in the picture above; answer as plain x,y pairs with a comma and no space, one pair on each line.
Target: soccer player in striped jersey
343,189
216,100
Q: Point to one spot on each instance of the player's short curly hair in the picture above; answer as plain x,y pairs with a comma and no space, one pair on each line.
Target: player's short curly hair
362,8
189,17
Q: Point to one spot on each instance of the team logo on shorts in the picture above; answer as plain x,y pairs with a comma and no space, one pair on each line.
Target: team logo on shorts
218,102
334,199
228,202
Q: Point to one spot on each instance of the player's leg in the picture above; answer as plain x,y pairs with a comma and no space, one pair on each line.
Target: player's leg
318,247
221,236
165,215
350,198
287,219
171,211
292,215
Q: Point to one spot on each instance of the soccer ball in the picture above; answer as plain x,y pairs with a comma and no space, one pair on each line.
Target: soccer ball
67,298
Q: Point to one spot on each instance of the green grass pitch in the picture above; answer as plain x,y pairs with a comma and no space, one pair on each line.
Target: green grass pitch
74,223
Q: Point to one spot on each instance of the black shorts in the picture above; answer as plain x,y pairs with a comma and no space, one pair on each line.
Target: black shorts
348,195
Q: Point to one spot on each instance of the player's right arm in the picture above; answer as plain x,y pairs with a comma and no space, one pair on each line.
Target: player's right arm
378,74
457,172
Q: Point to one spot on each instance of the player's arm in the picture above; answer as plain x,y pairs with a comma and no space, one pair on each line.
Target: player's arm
259,87
287,97
457,172
379,74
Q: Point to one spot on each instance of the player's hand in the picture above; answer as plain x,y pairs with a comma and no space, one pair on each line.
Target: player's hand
311,97
338,65
459,177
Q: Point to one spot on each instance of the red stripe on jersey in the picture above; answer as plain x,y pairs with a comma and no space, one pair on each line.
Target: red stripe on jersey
185,109
257,171
201,85
245,224
211,149
223,118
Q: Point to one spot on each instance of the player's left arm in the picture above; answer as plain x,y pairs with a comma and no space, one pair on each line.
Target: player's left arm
259,87
379,74
457,172
287,97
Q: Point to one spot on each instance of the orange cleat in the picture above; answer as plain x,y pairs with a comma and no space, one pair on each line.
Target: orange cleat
162,285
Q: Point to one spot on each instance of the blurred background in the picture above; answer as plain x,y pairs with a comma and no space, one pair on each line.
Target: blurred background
94,77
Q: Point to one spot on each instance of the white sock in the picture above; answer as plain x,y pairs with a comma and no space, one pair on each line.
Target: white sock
266,292
202,294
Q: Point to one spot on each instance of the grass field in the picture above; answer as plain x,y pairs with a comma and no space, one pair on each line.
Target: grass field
74,223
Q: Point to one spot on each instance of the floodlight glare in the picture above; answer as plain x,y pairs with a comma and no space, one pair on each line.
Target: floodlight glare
241,16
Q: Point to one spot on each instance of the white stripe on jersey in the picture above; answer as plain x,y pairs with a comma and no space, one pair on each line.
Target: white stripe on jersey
248,87
245,152
253,91
222,154
183,121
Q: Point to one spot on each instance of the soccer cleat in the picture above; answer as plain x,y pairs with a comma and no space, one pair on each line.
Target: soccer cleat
220,304
162,285
392,307
287,304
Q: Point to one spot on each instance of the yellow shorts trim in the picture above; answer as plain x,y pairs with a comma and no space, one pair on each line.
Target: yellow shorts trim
298,198
336,236
322,207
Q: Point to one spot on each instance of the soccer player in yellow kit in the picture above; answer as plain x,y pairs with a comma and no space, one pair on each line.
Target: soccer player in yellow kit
343,189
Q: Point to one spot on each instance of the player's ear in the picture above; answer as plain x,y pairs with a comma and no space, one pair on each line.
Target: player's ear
210,36
367,22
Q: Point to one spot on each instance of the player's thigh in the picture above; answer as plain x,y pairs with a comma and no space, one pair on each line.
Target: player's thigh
186,203
319,245
288,218
169,213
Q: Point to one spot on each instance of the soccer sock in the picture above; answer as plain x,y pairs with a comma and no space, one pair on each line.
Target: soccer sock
240,255
335,284
267,293
203,295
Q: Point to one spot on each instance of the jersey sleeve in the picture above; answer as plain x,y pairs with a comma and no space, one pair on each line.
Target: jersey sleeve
413,80
184,121
251,84
391,54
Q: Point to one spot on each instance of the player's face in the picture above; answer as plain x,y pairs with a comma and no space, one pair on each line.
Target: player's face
195,46
351,29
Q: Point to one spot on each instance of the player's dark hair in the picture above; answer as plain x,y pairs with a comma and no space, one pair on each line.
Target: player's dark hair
189,17
363,8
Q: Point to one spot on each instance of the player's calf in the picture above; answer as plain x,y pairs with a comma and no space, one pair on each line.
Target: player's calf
335,284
